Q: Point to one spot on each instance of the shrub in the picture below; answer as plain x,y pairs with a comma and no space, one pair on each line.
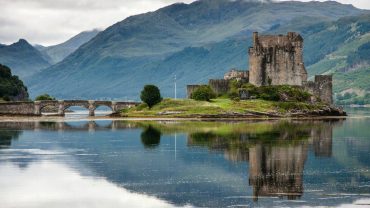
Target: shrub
268,93
271,92
233,94
45,97
203,93
142,106
151,95
283,93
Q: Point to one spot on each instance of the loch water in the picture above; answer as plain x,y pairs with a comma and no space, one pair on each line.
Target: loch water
112,163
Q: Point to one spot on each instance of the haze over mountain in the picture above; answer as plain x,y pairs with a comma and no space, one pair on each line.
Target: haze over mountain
57,53
195,42
22,58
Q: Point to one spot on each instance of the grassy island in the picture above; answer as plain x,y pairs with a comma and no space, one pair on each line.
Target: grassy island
263,101
227,108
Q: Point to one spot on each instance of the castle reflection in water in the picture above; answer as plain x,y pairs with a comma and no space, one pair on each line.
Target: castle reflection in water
276,156
276,151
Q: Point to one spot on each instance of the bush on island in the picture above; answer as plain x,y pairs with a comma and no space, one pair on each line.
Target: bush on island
151,95
270,92
203,93
44,97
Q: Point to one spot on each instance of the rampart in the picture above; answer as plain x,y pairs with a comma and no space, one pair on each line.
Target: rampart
322,88
219,86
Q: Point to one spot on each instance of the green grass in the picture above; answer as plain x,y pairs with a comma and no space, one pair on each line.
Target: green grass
192,108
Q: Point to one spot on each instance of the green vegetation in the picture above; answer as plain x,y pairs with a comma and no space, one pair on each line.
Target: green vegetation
44,97
191,108
272,93
11,87
348,58
150,95
203,93
362,55
353,86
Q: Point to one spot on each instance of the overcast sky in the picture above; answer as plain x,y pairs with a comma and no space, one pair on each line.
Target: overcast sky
50,22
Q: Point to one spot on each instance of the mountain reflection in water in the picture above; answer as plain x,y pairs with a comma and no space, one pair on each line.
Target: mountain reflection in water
283,160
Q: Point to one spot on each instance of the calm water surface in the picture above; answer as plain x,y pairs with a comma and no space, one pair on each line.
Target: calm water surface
192,164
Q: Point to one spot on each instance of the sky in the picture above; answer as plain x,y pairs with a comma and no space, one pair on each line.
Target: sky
50,22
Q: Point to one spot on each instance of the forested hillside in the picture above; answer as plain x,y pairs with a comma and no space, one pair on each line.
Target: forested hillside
11,87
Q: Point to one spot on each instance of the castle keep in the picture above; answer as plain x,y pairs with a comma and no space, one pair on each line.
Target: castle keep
275,60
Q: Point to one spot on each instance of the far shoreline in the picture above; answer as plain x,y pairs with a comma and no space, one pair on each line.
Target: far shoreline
110,118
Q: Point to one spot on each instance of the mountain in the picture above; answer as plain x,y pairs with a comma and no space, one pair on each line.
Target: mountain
11,87
57,53
347,44
23,58
194,41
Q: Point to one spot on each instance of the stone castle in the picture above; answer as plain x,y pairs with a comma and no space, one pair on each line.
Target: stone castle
275,60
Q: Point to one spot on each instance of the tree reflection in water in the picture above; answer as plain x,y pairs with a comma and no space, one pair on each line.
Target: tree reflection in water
150,137
6,137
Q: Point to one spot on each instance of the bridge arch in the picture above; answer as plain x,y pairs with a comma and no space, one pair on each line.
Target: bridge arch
51,104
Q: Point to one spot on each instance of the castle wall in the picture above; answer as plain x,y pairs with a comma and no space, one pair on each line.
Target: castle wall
219,86
322,87
190,89
276,60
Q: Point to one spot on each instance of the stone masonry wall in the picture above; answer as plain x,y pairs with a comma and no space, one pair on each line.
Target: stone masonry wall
190,89
17,108
219,86
277,60
322,87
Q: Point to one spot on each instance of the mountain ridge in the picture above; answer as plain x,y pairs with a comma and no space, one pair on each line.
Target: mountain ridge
23,58
57,53
141,49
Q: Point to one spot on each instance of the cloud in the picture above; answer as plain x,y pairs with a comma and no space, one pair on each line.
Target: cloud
50,22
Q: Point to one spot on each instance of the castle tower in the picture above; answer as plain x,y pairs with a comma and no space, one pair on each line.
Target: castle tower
277,60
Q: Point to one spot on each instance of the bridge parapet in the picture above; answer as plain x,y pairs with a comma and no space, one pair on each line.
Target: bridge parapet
35,108
17,108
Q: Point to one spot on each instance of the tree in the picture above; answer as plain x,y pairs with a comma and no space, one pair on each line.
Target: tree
203,93
45,97
151,95
11,87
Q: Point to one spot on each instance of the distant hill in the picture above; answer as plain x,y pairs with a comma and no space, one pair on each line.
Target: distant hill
194,41
347,56
11,87
22,58
57,53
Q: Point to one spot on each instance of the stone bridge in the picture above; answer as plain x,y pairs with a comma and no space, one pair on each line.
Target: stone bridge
35,108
